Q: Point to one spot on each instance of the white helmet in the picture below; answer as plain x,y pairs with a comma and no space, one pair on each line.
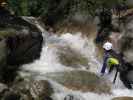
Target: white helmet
107,46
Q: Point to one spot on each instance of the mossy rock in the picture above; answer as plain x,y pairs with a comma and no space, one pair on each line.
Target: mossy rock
37,89
4,33
80,80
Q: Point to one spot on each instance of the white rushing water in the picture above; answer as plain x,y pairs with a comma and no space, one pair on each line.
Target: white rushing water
49,57
49,63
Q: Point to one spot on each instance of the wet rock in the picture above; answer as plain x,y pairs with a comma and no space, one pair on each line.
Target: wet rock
41,89
115,38
73,97
3,52
81,80
22,87
11,96
20,43
72,58
123,98
23,48
27,90
34,90
127,40
3,88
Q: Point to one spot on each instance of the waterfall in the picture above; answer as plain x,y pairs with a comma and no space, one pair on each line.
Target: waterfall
49,63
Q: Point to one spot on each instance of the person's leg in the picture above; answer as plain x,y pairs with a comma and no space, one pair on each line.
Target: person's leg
103,70
123,78
111,69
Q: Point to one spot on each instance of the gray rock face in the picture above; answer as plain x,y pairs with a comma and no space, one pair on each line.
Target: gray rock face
127,41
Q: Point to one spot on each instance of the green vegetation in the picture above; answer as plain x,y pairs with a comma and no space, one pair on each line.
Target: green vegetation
58,9
7,32
24,7
42,7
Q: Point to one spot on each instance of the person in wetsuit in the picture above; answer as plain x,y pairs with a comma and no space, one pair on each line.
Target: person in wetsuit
113,60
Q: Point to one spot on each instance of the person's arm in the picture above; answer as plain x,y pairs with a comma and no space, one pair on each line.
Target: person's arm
115,54
104,63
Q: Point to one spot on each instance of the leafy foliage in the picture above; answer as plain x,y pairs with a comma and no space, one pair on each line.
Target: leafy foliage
58,8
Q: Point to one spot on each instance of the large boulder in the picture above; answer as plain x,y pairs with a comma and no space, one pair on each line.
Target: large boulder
41,89
20,43
127,40
81,80
72,58
29,90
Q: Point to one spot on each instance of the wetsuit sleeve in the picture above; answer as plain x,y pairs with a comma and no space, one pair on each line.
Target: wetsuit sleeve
106,55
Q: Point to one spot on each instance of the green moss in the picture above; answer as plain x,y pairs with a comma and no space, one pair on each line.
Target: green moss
7,32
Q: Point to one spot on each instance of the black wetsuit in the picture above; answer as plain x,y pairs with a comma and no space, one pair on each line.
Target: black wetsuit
123,68
126,68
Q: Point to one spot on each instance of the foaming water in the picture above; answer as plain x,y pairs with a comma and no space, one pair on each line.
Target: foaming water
49,63
62,93
84,46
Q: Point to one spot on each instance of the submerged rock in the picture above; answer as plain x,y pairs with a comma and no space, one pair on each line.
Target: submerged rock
73,97
81,80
